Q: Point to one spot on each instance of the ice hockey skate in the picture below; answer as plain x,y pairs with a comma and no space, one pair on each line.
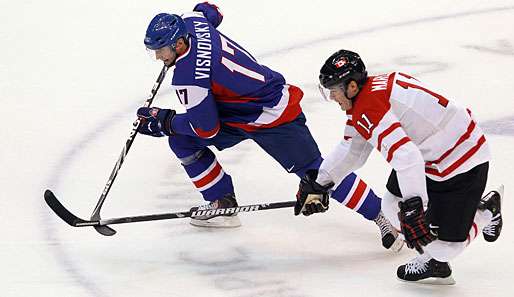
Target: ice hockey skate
492,202
211,218
390,238
425,270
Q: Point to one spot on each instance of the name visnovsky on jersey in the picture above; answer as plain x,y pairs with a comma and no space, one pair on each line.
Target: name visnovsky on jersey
203,50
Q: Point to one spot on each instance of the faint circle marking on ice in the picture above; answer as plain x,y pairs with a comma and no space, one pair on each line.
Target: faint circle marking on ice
384,27
503,126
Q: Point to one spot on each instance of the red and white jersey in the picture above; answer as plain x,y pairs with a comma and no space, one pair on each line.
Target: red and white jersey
418,131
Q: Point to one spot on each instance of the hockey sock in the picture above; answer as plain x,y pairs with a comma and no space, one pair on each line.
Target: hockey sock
355,194
208,176
445,251
390,208
482,219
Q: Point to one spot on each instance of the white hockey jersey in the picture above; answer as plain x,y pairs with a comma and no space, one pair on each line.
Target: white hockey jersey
419,132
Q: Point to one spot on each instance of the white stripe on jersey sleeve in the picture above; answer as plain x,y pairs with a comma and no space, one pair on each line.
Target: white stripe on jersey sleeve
270,114
190,96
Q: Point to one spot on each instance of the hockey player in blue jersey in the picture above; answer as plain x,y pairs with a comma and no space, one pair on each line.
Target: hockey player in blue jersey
230,97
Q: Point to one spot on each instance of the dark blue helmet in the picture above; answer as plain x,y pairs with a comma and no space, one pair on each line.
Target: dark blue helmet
164,30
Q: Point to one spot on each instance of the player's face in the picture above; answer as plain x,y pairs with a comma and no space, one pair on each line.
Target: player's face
166,55
337,94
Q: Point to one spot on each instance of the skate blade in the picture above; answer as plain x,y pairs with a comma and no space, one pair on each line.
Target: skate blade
500,191
397,245
218,222
433,281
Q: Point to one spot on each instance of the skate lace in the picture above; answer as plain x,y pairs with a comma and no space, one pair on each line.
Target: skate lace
416,266
491,228
384,225
208,206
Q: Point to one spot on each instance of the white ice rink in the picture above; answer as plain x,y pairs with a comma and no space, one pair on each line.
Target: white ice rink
73,73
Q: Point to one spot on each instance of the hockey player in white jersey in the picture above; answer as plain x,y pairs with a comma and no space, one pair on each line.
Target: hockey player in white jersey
440,159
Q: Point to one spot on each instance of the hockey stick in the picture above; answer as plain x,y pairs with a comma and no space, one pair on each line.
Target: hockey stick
95,216
75,221
104,230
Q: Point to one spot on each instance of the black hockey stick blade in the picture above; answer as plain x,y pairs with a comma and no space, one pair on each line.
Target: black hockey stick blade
104,230
61,211
72,219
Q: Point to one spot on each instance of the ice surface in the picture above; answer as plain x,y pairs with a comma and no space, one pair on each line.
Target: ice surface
73,73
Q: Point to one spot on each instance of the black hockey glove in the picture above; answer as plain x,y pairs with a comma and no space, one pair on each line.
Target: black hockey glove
155,121
311,197
414,224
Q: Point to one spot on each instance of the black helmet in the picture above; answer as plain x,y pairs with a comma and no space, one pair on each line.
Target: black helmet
341,68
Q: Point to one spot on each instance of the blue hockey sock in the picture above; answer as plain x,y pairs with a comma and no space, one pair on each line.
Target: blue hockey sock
207,175
355,194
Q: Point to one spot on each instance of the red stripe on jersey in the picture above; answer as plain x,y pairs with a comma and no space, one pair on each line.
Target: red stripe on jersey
348,123
291,112
180,57
223,94
389,87
357,195
395,146
209,177
385,133
208,134
407,76
461,139
459,162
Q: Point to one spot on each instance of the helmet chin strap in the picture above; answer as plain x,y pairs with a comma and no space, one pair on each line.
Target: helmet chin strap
352,98
346,93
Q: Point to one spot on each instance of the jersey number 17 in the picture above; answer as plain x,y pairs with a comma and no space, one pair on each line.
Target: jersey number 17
228,58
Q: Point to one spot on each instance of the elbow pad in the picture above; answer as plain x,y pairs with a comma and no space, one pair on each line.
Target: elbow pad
211,13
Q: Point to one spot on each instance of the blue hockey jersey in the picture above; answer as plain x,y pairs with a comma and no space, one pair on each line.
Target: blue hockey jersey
218,81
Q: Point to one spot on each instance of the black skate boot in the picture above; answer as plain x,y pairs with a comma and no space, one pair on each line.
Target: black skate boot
492,202
214,214
423,269
390,238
